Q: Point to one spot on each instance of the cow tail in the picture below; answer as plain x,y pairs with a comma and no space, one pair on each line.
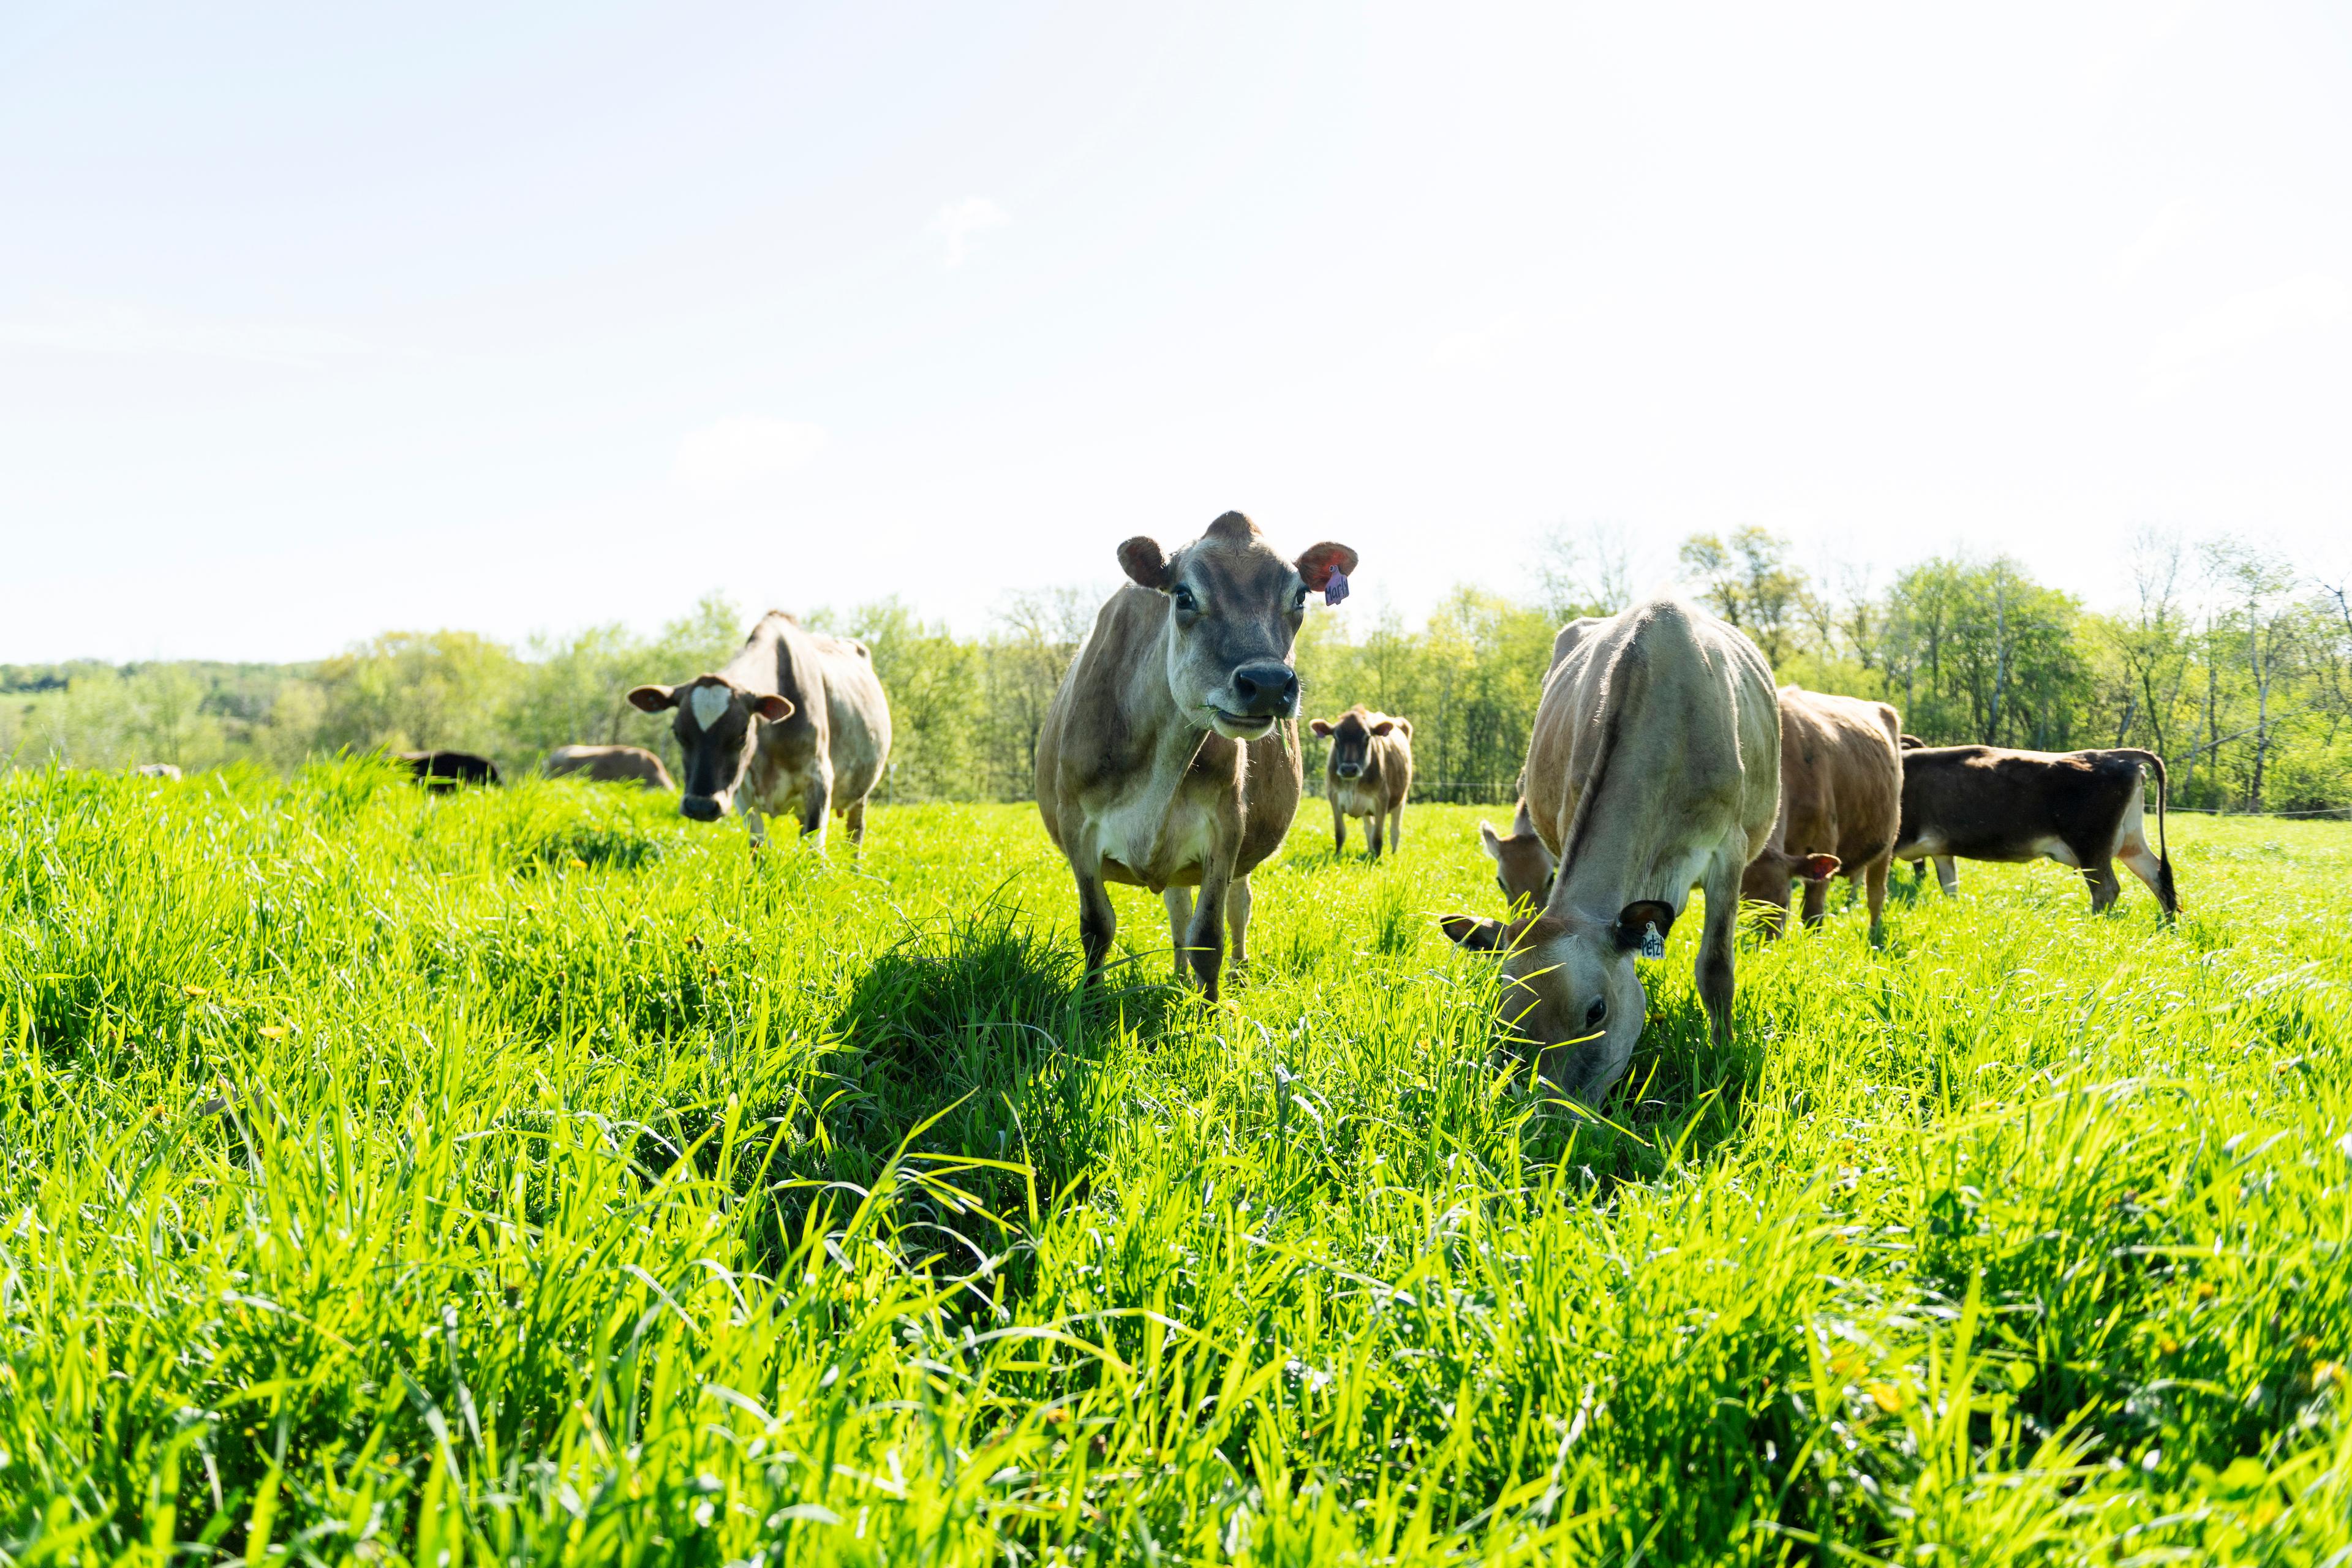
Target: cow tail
2163,855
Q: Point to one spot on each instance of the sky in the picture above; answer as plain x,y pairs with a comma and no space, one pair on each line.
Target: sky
322,320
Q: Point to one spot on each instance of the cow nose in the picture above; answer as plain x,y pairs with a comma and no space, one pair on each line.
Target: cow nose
1349,770
1268,689
700,807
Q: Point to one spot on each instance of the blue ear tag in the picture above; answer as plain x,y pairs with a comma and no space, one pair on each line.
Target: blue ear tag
1653,944
1336,589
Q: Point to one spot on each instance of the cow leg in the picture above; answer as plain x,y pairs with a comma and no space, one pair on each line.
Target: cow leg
753,822
1396,827
2105,888
2131,849
1338,828
1875,886
815,808
1098,922
854,820
1817,899
1715,943
1206,939
1372,837
1947,872
1180,919
1237,914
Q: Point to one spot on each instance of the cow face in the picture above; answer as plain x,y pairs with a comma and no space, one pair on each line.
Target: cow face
1233,610
1523,867
1766,880
1351,741
718,728
1569,993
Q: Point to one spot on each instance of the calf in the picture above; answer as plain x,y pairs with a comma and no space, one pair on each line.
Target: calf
1170,756
1654,764
611,765
2083,809
1840,799
442,771
1368,774
796,722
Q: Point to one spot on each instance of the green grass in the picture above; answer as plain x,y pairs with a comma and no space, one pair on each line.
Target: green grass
523,1174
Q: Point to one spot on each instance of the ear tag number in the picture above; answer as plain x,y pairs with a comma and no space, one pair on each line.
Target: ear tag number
1653,944
1336,589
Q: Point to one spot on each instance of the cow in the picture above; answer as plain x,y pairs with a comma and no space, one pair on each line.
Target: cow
1840,799
2083,809
156,771
1168,758
1947,873
442,771
611,765
1654,764
796,722
1368,774
1523,867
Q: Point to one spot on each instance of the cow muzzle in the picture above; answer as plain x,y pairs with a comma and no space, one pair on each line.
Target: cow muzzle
1265,689
1349,770
701,807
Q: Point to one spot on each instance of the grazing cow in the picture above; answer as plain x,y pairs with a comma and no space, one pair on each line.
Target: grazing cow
1840,799
1369,774
611,765
2083,809
1170,757
1523,867
1654,764
796,722
156,771
442,771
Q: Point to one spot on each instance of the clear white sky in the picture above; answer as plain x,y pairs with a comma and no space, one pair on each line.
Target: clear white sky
317,321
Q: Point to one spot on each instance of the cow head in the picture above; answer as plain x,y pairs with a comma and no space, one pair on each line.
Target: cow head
1523,867
1234,609
1570,990
1766,880
718,728
1351,734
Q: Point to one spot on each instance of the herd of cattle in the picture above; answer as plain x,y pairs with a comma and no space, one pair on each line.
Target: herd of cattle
1660,758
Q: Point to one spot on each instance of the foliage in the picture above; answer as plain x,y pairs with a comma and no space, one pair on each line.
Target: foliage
528,1174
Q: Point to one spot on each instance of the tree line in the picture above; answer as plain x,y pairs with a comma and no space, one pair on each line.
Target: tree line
2227,661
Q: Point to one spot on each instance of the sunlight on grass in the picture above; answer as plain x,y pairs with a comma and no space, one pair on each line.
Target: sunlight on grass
530,1174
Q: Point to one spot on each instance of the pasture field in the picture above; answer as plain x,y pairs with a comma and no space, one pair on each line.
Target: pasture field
526,1174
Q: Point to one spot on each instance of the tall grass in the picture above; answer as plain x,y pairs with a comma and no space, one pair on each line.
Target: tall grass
530,1174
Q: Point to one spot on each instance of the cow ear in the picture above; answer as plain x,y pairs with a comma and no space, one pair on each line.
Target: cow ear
1384,726
1633,922
1321,726
1817,868
771,708
653,699
1490,841
1321,560
1405,728
1470,932
1140,559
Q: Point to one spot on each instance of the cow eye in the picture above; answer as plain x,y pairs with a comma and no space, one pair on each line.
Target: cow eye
1299,600
1184,600
1594,1014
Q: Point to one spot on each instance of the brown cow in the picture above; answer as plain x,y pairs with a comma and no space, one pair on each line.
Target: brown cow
1654,764
1840,799
2083,809
796,722
1947,873
1368,774
611,765
1170,757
